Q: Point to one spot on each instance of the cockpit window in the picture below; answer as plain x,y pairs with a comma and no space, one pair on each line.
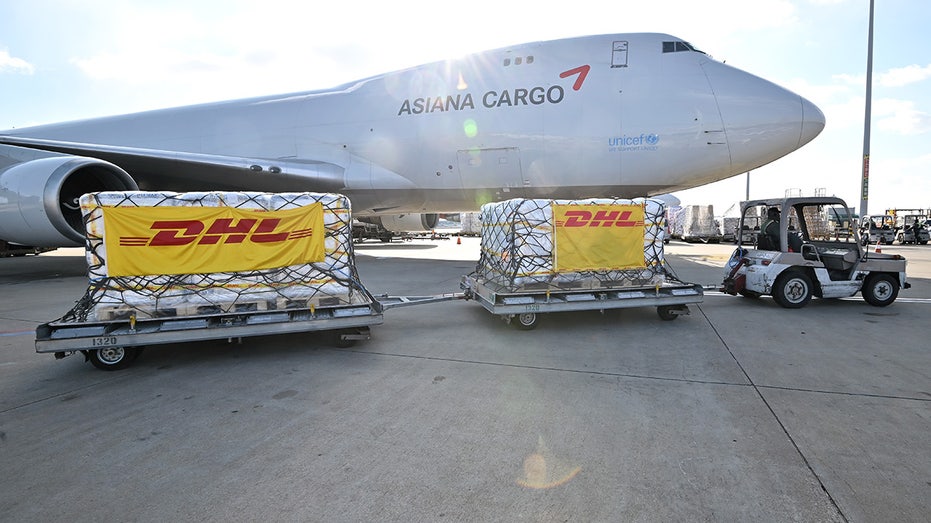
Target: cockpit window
678,47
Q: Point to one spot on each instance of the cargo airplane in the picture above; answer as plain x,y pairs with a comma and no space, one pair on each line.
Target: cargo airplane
620,115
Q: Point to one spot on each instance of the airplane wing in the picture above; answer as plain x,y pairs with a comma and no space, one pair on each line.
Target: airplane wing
185,171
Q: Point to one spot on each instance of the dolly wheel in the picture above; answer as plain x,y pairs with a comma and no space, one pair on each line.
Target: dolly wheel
113,358
342,342
526,321
667,312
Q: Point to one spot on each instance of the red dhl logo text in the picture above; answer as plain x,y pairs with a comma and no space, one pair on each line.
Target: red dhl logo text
598,219
186,232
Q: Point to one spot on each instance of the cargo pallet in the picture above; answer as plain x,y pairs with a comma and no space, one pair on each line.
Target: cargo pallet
671,299
112,345
115,344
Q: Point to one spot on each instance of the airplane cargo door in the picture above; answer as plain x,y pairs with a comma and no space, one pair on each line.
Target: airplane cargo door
491,171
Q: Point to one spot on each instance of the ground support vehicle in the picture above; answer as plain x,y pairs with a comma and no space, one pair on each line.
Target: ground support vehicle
362,231
812,262
540,256
115,344
208,285
523,307
910,228
912,234
878,229
12,249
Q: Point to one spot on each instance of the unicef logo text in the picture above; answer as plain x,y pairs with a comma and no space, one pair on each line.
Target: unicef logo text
638,142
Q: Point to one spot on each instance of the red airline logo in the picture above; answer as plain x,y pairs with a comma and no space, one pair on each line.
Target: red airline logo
582,71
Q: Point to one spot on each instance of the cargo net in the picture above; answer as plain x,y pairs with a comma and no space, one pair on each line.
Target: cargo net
517,247
332,282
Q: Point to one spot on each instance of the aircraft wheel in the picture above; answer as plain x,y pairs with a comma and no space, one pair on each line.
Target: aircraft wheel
526,321
792,290
113,358
880,290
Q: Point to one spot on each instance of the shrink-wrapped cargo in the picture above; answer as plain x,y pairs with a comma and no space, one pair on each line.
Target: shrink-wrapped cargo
521,246
698,223
674,217
470,224
729,226
326,279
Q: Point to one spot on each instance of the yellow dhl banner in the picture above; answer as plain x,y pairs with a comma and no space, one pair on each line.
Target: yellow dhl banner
598,237
193,240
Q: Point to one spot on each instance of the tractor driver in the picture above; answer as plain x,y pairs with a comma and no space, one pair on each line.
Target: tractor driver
769,234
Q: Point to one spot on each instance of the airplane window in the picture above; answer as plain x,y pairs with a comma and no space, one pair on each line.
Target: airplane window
517,61
678,47
530,59
507,62
691,47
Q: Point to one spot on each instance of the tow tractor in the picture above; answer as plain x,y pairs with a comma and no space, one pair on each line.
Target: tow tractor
910,226
812,259
877,229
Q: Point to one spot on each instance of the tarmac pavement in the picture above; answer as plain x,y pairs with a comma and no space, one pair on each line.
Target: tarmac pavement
741,411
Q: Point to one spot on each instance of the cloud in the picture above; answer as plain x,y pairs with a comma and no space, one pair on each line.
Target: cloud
850,79
905,75
889,115
11,64
900,181
847,114
820,94
897,77
900,117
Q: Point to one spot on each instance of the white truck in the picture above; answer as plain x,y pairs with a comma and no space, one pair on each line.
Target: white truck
811,261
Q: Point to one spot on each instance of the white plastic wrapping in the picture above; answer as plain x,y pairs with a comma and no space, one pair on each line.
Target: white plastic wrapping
517,246
698,222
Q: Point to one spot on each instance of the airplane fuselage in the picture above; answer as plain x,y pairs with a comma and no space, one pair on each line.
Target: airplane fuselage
614,115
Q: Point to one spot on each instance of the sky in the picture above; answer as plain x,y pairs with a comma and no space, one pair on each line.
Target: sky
62,60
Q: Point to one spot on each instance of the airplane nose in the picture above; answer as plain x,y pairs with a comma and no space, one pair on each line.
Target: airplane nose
761,120
812,122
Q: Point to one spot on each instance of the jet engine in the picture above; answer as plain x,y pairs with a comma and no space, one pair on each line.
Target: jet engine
39,196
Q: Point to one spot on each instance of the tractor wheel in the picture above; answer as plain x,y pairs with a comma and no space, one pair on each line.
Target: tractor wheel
792,289
880,290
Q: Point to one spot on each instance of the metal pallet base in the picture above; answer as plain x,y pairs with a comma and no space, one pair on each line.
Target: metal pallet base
69,337
500,300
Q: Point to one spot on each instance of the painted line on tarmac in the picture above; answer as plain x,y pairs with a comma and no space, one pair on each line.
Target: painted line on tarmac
897,300
15,333
851,298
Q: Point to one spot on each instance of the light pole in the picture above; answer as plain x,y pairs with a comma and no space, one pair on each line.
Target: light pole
865,177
